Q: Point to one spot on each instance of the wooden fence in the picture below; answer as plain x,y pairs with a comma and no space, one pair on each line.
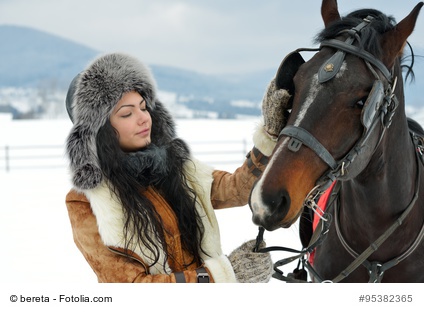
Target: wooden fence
29,157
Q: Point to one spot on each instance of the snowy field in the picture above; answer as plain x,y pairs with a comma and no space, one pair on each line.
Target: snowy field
34,216
38,255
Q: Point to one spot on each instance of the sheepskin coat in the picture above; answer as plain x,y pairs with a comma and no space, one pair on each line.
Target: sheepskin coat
97,216
97,223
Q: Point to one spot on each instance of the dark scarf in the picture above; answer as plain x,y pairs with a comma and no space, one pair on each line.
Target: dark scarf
153,164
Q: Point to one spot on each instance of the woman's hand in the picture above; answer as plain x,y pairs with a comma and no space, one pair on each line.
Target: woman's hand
249,266
275,109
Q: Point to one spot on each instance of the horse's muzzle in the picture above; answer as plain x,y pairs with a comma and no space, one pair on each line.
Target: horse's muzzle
270,210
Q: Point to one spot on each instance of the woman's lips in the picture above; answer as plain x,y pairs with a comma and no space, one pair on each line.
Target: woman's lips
144,132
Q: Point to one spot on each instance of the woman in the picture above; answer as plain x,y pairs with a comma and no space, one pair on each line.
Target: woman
141,207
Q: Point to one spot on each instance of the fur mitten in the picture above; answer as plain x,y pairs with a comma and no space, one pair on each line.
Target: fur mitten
249,266
274,109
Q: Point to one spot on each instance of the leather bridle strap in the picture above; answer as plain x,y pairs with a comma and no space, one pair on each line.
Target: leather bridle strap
299,135
359,52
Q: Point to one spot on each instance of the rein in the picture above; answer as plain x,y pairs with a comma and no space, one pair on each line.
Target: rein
317,238
376,269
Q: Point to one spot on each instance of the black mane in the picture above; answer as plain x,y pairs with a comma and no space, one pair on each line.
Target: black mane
370,36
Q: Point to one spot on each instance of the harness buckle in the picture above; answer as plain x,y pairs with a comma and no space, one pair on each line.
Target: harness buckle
310,202
391,104
202,275
294,144
375,272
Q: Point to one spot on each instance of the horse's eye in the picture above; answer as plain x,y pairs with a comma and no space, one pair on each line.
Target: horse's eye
360,104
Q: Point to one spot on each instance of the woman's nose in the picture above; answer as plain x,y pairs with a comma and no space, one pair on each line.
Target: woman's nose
142,117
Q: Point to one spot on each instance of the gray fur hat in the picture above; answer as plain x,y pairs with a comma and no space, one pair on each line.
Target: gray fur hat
90,101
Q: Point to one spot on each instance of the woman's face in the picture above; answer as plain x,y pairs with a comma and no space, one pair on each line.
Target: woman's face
132,121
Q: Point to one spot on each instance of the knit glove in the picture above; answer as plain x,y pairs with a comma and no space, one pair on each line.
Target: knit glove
274,109
249,266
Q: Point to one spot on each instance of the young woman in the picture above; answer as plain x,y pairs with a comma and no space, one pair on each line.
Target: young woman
141,207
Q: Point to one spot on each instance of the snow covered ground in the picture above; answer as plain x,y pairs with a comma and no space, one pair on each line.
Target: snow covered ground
38,256
33,211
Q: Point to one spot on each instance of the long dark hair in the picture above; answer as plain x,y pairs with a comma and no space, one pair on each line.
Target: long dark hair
143,225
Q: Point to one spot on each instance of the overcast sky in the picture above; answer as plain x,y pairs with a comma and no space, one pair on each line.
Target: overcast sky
213,36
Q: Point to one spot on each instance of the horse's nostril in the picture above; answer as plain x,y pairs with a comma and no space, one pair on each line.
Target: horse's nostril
270,209
285,203
269,206
278,203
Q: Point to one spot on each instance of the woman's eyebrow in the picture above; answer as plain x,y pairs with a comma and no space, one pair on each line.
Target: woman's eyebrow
125,105
129,105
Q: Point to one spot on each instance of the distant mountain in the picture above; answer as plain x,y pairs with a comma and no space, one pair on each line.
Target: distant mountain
32,58
249,87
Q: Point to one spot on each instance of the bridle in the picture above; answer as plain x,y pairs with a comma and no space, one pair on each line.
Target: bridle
379,108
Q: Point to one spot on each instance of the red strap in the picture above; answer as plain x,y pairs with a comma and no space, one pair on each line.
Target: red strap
322,203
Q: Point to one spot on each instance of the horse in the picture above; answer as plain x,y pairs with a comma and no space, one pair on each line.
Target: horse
348,137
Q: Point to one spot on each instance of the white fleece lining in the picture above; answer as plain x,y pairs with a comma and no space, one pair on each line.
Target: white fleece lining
110,220
263,141
217,263
221,269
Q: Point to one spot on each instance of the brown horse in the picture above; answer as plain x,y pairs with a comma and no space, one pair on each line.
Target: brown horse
348,125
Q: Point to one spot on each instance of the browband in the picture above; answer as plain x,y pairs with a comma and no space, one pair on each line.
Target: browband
360,53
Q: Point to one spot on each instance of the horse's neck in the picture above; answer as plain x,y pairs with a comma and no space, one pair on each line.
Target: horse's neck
374,201
387,184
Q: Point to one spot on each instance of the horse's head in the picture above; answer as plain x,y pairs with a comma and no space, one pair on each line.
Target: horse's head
343,99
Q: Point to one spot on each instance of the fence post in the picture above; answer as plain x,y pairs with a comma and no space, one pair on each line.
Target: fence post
6,150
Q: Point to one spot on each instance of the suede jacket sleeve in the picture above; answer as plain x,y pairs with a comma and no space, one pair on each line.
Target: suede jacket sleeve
233,189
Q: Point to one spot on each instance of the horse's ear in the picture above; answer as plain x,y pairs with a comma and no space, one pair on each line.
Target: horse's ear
329,12
394,40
